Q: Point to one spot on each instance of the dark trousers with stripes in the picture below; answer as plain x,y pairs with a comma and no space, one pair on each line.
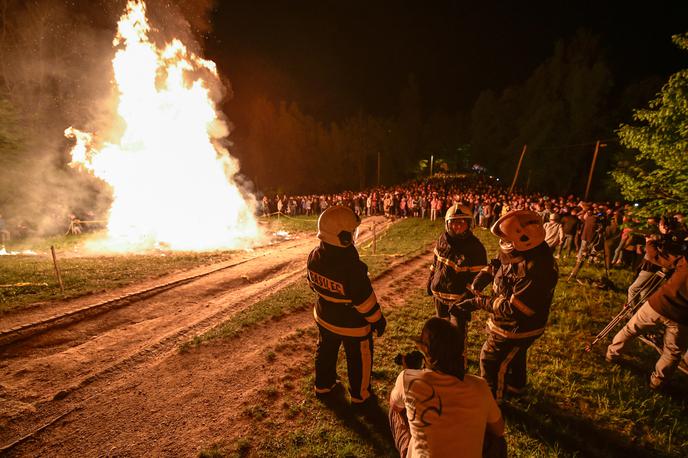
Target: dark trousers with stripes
460,319
503,364
359,363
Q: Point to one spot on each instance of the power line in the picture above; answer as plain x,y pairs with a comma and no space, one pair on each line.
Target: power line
577,145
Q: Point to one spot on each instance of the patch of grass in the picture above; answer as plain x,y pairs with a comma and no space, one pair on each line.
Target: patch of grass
290,224
243,447
289,299
84,275
403,240
270,393
256,412
214,451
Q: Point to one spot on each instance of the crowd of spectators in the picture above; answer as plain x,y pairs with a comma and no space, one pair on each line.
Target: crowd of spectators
609,227
606,229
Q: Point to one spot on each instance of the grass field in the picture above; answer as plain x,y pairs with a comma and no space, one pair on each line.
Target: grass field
577,404
27,279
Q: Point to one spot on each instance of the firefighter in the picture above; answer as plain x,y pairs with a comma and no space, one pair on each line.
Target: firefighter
346,311
523,279
459,256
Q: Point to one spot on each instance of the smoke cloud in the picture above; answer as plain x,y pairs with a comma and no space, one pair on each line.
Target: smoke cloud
55,72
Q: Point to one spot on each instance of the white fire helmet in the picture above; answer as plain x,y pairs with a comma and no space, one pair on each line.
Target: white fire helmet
521,228
457,211
338,226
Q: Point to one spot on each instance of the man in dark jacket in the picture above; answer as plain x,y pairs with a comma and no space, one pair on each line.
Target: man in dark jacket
523,280
667,306
459,256
346,311
569,224
589,233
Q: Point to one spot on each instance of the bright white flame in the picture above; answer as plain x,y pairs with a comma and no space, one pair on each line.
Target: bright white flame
171,180
4,252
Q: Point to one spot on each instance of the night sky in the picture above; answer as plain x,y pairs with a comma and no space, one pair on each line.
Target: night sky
334,58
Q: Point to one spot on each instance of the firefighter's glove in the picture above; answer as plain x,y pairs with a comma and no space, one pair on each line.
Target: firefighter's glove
429,287
379,326
470,305
481,281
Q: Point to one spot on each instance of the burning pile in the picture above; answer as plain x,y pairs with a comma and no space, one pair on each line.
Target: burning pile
171,178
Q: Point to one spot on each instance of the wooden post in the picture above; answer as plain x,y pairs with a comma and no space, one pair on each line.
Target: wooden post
598,145
518,167
374,238
57,269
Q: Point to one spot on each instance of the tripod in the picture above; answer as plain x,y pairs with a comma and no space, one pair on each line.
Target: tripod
648,287
591,252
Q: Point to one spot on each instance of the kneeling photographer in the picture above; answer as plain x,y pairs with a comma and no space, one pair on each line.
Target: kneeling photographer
667,306
439,410
661,250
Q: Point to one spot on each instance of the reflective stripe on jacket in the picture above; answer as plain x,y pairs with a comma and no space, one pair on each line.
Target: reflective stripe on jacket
347,304
456,261
523,289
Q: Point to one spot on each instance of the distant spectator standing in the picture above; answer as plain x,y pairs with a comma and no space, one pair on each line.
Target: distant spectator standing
74,225
554,233
435,207
265,206
4,233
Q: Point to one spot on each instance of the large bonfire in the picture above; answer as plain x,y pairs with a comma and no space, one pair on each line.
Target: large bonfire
171,179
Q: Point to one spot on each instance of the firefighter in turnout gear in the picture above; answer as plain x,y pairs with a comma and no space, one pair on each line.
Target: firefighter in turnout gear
523,279
346,310
459,256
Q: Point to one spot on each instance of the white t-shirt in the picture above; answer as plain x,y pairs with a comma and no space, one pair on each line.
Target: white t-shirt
447,416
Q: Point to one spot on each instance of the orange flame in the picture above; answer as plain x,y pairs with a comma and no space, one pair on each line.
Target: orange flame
171,179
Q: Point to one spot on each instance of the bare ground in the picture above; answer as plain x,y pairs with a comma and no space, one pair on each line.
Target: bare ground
117,385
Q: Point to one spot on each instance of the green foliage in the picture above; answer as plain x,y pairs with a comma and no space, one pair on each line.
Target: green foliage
658,178
563,102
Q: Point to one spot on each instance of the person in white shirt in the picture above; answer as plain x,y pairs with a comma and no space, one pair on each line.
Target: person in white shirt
554,232
439,410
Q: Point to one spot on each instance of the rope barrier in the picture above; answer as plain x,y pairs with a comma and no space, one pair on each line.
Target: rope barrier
285,215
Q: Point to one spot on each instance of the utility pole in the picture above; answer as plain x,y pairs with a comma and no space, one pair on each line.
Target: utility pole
598,145
518,167
432,158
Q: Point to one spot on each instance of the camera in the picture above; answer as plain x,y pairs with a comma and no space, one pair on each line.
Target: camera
413,360
673,243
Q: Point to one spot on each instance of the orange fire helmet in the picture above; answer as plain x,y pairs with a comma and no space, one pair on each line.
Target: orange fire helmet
522,228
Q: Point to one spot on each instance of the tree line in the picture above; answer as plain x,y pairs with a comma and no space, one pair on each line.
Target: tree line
568,102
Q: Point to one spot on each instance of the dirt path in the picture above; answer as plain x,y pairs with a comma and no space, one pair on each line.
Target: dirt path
119,386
